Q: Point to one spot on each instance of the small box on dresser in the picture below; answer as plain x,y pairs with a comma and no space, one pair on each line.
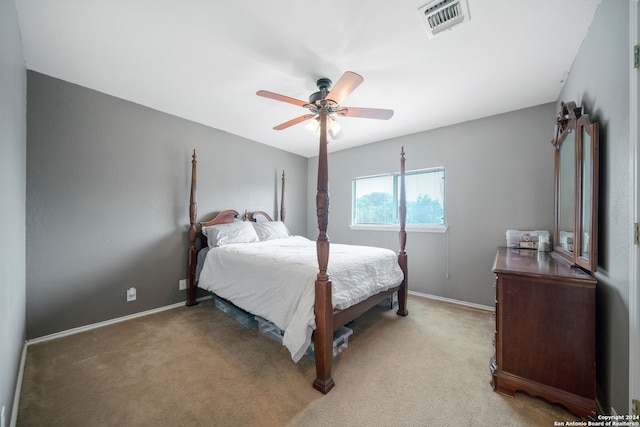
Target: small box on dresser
534,239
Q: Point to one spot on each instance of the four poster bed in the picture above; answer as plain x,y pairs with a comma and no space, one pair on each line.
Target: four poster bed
272,276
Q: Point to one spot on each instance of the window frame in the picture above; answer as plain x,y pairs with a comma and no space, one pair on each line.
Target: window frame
425,228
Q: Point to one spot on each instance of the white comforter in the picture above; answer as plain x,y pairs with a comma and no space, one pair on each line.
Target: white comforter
274,279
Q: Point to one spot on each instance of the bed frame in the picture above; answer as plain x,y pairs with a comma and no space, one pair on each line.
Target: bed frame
327,319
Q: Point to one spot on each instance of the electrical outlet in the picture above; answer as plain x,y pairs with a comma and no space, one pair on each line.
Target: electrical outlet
182,284
131,294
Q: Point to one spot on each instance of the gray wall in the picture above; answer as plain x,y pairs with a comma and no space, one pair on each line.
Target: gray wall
13,87
107,200
499,176
599,81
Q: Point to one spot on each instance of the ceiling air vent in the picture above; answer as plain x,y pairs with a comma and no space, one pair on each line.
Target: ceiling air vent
441,15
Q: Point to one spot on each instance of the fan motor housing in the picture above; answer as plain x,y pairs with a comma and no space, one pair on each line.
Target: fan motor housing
322,83
315,96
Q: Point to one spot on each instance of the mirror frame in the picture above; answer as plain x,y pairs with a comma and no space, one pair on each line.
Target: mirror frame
571,120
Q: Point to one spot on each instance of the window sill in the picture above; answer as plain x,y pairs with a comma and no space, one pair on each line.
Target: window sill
395,227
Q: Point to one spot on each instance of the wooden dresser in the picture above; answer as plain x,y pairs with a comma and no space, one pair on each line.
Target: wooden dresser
545,330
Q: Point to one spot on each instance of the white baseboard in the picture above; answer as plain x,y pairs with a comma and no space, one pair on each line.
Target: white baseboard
454,301
107,322
18,390
180,304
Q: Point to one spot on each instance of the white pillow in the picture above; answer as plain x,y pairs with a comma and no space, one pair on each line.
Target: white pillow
271,230
235,232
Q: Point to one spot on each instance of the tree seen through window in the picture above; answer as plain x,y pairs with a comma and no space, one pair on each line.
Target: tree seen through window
376,199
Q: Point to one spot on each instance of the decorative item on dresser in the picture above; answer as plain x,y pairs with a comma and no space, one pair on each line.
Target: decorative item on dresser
328,311
546,302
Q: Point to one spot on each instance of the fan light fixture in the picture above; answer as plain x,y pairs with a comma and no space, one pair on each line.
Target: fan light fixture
333,127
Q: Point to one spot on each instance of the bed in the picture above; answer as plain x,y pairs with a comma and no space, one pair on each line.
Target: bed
292,281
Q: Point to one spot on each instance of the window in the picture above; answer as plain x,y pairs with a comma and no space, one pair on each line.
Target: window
376,200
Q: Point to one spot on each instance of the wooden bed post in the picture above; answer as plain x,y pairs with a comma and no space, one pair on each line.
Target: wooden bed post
323,309
402,255
283,211
193,252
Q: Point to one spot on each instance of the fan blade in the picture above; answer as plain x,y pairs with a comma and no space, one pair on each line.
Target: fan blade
282,98
367,113
347,84
294,121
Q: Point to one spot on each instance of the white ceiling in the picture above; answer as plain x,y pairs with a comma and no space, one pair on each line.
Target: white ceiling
204,60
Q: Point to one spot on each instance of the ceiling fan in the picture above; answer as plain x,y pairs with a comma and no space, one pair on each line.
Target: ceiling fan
325,103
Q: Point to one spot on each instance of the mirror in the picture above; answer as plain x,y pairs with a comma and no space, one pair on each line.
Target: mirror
588,197
566,192
576,172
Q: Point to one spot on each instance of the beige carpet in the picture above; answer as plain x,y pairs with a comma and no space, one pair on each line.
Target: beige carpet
197,367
